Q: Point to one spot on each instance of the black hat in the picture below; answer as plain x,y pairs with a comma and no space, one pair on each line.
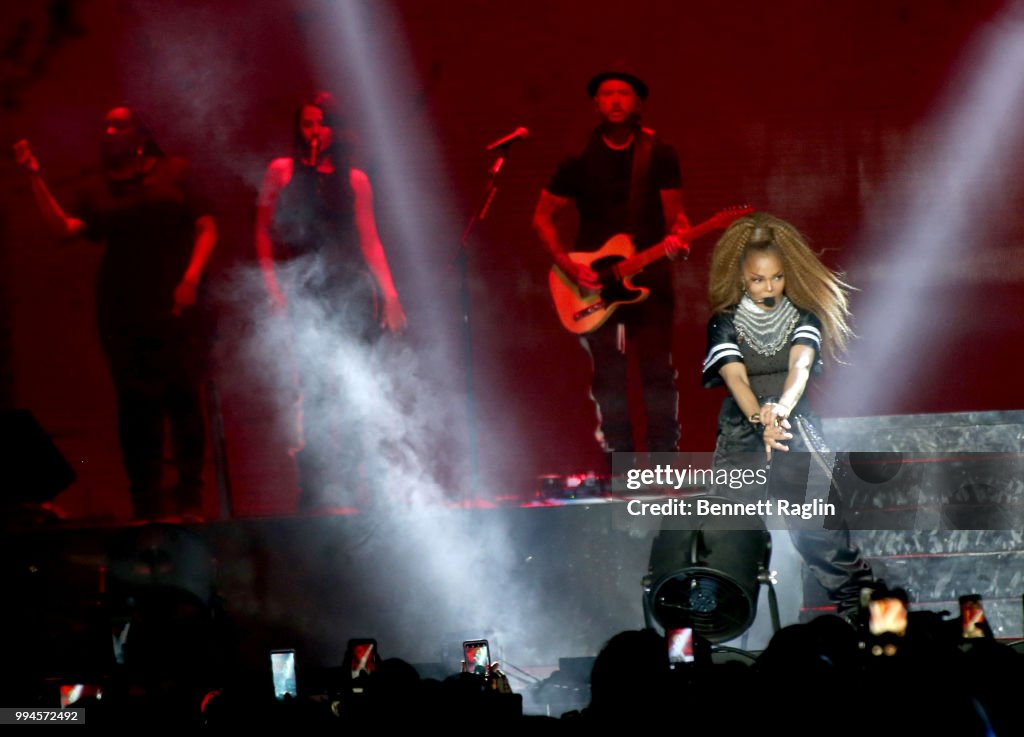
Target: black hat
635,82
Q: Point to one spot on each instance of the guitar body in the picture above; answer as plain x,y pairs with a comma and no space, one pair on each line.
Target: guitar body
584,311
616,263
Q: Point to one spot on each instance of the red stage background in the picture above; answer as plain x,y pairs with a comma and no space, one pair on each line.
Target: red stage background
809,110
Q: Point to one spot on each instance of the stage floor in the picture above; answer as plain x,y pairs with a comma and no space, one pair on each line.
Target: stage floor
547,582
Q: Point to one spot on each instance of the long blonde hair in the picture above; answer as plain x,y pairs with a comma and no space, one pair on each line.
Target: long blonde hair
810,285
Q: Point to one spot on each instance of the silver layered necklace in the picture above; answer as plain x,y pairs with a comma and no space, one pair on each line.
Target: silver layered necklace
766,331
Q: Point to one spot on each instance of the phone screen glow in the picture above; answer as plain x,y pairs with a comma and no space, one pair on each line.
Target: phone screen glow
478,656
282,664
362,658
680,645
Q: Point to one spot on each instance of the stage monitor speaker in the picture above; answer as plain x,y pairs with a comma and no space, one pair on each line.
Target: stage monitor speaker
708,578
32,469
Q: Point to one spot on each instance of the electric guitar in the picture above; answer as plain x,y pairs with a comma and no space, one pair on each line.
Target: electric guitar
616,263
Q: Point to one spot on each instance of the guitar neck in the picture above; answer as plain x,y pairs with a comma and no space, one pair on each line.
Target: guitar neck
634,265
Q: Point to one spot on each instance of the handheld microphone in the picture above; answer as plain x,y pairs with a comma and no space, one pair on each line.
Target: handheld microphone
515,135
314,149
767,301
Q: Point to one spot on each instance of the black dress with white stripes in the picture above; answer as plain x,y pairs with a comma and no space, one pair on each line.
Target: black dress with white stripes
767,370
762,343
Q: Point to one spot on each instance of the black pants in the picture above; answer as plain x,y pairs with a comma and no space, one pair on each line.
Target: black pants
826,549
157,373
332,451
648,335
335,326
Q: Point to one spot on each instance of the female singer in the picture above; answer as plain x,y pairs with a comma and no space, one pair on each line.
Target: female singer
316,232
776,308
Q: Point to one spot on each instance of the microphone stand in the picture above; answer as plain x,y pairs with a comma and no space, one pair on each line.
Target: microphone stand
462,258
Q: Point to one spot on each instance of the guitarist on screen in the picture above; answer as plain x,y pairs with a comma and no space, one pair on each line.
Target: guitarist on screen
625,181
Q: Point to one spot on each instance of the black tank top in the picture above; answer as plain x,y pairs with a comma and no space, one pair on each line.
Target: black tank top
314,220
315,214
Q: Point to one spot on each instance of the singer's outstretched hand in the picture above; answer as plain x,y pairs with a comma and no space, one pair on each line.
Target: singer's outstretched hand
774,435
773,413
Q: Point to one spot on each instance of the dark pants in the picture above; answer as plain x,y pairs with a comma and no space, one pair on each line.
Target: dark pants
332,449
827,550
157,375
648,334
334,328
